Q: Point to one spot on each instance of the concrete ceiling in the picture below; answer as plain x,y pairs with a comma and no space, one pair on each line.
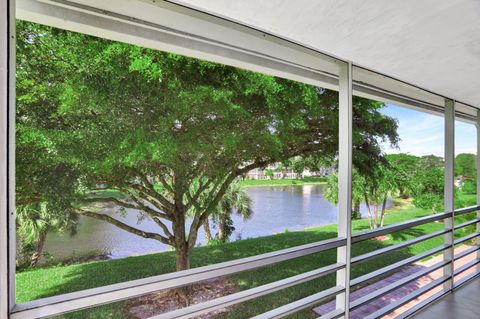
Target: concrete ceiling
434,44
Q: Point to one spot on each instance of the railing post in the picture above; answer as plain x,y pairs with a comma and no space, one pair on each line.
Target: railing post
478,182
345,183
449,189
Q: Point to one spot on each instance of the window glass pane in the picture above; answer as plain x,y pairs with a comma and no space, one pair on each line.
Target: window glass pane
398,180
465,192
134,163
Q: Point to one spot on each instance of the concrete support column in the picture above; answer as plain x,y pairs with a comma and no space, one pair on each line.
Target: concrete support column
449,189
345,183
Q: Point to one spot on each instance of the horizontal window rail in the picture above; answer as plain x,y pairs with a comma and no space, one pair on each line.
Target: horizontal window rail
395,285
334,314
301,304
466,210
388,249
97,296
466,238
466,252
222,302
465,267
468,223
411,296
422,304
466,279
394,267
369,234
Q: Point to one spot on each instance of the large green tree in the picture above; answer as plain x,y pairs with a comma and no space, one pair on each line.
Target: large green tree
46,182
171,133
405,167
429,189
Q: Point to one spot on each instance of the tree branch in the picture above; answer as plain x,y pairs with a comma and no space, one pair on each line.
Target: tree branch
145,208
110,200
124,226
192,200
150,190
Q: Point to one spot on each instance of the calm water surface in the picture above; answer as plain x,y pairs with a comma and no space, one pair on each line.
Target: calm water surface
275,208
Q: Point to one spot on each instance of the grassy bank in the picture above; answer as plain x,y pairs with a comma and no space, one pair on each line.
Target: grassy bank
283,182
45,282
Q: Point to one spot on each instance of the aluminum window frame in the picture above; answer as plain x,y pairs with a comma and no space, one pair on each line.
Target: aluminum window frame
342,82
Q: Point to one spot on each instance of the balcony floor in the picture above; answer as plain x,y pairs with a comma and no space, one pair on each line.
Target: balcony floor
464,303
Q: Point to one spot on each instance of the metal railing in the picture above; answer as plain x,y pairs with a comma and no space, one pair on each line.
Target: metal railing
97,296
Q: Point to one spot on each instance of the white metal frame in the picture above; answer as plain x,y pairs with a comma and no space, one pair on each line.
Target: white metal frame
477,126
344,182
4,278
7,155
247,55
449,189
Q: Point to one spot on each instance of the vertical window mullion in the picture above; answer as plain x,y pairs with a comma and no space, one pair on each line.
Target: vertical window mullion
477,126
7,89
449,190
345,183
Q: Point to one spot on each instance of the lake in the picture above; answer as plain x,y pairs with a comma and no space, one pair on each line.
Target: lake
275,209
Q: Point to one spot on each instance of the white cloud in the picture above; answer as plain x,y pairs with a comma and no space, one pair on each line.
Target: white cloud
423,133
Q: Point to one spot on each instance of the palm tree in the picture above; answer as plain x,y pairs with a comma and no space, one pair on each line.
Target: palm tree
331,192
34,222
373,190
235,201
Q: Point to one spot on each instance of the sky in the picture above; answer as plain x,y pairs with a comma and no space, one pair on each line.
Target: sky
423,134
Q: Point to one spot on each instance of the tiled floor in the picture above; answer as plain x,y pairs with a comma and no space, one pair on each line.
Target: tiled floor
464,303
381,302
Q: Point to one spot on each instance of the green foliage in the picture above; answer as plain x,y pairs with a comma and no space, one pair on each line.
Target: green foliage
465,166
405,166
429,189
431,201
34,221
373,189
235,201
407,163
269,173
431,161
469,187
170,133
314,163
47,183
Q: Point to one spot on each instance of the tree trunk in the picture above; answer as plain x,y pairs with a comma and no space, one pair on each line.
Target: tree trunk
375,215
208,232
221,229
37,253
182,256
181,242
382,216
369,213
356,210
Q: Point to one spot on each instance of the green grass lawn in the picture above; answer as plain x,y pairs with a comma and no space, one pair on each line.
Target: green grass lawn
283,182
43,282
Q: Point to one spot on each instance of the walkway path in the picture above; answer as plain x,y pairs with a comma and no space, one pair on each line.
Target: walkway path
381,302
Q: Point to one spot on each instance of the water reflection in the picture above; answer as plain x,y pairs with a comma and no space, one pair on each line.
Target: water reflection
275,208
